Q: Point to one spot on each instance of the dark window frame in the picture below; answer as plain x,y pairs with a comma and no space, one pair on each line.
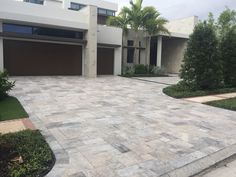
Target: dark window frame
130,55
41,31
40,2
107,12
130,43
79,6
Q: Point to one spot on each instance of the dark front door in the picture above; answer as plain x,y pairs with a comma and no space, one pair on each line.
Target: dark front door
22,58
105,61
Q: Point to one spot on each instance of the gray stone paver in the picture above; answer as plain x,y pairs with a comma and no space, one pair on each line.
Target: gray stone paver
118,127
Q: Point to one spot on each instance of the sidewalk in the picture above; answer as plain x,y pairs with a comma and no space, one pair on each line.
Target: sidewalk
229,170
204,99
12,126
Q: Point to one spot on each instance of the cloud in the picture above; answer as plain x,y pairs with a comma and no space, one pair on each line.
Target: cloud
184,8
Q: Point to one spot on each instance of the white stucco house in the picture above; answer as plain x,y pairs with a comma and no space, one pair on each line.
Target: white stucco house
69,37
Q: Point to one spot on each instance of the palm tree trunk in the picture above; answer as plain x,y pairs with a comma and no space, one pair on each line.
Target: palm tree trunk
136,45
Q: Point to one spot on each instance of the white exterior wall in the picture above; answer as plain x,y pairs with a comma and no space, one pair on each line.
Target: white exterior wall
182,26
173,54
54,3
11,10
109,35
1,50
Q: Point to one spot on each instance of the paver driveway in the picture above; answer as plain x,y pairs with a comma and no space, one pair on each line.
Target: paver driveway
120,127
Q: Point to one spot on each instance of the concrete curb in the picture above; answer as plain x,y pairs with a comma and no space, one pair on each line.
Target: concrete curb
198,166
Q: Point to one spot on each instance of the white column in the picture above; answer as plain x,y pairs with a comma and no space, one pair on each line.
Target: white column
159,50
1,50
117,61
90,55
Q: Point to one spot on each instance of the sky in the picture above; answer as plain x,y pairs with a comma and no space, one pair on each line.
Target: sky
175,9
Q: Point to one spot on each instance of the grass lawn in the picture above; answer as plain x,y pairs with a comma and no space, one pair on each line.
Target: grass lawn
25,153
177,92
10,108
226,104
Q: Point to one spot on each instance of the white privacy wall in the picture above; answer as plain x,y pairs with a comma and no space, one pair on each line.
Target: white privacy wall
109,35
182,26
11,10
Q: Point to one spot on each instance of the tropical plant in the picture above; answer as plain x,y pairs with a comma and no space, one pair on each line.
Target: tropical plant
5,84
202,68
137,17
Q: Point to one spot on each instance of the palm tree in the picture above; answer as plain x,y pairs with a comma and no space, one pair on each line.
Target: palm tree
138,18
120,21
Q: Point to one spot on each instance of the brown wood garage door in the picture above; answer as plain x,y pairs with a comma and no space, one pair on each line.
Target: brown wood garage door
105,61
36,58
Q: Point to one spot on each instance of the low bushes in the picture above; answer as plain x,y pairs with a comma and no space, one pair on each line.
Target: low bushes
141,70
182,91
24,154
5,84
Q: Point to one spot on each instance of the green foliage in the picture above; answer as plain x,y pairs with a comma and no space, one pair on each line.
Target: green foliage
182,90
202,68
128,71
140,69
10,108
228,56
119,21
138,18
30,145
226,21
5,84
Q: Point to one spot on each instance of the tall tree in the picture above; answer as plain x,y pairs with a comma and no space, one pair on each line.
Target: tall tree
138,18
202,67
226,21
227,50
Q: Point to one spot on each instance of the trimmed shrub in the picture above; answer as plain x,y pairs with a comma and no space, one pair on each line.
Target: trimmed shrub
140,69
5,84
202,68
228,57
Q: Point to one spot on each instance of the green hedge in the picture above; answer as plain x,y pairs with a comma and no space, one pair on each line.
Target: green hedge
180,91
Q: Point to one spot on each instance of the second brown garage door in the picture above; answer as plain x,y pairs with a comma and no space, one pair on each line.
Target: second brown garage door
36,58
105,61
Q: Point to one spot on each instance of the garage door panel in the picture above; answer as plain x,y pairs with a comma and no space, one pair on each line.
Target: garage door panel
105,61
35,58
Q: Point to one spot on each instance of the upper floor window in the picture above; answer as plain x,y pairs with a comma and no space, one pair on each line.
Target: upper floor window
41,31
35,1
106,12
76,6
